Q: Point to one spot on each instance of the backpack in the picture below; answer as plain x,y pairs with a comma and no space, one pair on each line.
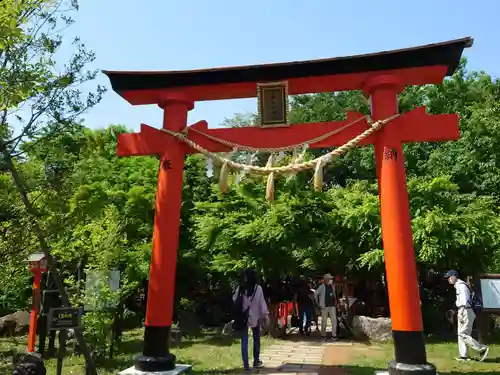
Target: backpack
475,301
240,317
295,319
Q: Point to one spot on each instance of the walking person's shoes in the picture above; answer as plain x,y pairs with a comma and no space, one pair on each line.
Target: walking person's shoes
462,359
246,370
483,354
258,364
334,338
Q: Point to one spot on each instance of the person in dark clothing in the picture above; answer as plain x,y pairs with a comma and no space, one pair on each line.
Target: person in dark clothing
305,301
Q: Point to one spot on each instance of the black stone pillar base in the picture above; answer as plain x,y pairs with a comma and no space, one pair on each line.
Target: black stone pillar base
409,348
156,356
396,368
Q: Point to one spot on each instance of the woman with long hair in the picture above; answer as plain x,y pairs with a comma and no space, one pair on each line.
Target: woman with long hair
252,309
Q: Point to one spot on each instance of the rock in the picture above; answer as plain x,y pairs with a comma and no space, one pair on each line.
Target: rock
228,329
17,323
175,336
188,323
375,329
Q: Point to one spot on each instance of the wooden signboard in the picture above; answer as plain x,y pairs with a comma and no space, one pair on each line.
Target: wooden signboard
488,286
273,104
65,318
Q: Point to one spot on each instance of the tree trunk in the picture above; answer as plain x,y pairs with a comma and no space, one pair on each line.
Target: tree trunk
20,186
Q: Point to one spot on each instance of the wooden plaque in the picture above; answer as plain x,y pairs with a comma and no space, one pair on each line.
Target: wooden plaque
273,104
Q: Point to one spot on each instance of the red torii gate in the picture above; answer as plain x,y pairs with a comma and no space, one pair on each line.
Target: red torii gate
381,77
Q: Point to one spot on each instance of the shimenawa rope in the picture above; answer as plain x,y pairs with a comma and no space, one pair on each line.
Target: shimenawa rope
287,169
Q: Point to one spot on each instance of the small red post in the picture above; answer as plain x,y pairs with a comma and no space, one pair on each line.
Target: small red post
404,300
156,355
37,279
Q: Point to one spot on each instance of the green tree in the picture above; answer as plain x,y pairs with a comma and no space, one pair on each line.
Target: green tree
36,97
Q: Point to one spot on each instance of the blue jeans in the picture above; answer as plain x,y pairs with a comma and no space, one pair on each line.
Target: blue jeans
256,346
305,315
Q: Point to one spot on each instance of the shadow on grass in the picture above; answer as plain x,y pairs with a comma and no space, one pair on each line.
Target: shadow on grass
219,340
492,360
134,345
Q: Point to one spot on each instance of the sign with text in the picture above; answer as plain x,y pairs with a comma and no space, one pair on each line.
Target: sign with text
65,318
273,104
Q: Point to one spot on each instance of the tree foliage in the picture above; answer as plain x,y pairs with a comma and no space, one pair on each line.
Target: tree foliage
100,208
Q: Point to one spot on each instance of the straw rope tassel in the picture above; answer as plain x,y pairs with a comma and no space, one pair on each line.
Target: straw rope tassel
302,155
224,173
270,180
294,156
270,187
318,176
270,161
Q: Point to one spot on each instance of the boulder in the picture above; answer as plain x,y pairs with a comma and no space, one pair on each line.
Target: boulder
175,337
189,323
17,323
374,329
228,329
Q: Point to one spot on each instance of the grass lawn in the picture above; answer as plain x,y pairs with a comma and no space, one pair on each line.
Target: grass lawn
442,355
206,353
214,355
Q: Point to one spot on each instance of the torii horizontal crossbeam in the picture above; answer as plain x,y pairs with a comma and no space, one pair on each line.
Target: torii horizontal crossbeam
413,126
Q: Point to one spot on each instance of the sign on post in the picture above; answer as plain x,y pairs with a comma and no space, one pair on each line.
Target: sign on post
61,319
65,318
489,289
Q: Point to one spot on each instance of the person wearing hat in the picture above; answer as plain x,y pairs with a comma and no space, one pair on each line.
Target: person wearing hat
327,301
465,318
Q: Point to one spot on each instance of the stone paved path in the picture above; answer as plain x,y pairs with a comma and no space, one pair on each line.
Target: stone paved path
293,357
298,357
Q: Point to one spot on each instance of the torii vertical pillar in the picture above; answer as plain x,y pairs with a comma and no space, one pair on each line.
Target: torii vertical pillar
397,238
156,355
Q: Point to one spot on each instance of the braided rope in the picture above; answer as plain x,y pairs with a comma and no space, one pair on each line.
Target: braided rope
291,168
278,149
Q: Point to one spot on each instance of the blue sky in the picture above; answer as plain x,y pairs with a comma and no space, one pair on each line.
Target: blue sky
191,34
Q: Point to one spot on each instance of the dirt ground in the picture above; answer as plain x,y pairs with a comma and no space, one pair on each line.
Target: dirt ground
338,355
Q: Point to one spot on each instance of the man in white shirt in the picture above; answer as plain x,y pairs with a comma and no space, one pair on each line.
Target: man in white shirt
465,317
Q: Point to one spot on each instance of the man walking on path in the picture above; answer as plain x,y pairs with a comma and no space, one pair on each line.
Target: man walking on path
327,301
465,317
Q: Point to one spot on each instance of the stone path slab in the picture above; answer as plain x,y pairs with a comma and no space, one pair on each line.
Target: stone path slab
292,358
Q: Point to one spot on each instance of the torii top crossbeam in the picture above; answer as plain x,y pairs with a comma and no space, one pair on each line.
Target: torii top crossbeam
416,66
